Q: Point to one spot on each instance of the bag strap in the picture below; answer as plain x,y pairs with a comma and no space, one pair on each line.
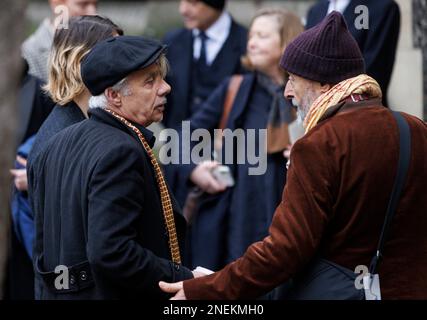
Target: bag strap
402,169
233,88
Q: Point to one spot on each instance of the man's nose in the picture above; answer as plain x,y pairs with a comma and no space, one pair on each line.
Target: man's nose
289,91
164,89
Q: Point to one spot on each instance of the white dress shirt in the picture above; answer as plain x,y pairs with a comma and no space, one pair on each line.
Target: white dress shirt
338,5
217,35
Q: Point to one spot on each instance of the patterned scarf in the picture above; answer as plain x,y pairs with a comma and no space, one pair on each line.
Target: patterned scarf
280,115
362,84
163,188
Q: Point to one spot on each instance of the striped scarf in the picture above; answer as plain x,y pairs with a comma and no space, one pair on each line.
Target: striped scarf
362,84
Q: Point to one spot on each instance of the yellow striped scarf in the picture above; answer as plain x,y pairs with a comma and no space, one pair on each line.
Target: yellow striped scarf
362,84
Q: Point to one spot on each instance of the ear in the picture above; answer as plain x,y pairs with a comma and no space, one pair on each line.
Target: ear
325,87
114,98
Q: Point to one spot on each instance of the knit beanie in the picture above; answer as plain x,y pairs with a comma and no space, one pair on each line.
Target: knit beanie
326,53
217,4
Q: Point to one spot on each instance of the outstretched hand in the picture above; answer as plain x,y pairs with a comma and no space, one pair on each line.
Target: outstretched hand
176,288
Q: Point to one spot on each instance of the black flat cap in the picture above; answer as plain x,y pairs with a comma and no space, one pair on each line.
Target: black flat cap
113,59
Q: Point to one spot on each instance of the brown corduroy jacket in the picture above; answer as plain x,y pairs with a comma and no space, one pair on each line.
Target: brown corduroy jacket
338,186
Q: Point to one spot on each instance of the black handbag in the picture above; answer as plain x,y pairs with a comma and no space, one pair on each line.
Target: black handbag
325,280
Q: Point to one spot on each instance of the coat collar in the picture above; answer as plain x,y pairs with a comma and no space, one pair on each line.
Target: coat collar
232,43
184,50
105,117
72,111
345,106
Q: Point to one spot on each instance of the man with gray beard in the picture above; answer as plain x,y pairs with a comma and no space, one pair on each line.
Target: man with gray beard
349,203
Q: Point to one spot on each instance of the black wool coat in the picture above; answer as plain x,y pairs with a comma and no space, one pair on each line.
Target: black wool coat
98,212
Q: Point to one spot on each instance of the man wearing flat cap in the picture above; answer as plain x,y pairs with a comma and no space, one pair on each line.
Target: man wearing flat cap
358,176
107,218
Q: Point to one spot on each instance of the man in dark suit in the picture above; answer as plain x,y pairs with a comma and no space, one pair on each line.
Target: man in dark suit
103,212
378,42
201,55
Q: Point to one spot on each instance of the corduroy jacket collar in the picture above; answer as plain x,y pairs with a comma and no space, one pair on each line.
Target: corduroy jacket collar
345,106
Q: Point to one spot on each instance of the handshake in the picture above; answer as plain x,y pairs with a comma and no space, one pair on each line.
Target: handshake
177,288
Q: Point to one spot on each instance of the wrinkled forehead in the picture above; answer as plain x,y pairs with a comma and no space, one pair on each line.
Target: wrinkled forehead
154,70
296,79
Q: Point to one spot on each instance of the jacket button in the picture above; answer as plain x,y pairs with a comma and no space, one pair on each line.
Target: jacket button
72,280
83,275
177,267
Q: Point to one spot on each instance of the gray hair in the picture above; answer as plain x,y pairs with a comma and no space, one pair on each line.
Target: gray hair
101,102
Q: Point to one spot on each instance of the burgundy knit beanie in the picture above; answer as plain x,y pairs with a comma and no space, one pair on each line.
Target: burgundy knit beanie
326,53
217,4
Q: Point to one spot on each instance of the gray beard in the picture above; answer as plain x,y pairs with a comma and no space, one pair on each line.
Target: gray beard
304,108
301,114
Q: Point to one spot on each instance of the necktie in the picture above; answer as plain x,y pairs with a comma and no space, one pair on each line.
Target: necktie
164,193
202,59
